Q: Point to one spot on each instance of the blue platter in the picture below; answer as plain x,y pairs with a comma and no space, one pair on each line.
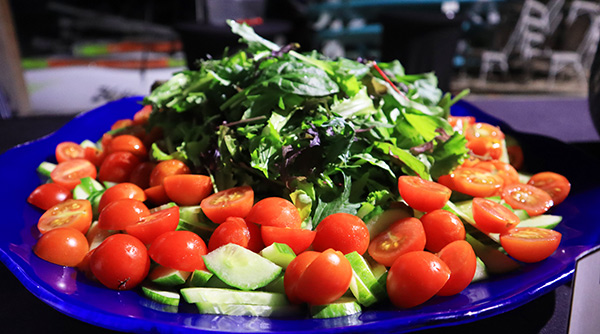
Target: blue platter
71,293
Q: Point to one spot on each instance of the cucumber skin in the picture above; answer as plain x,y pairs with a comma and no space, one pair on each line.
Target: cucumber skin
248,310
342,307
230,296
158,295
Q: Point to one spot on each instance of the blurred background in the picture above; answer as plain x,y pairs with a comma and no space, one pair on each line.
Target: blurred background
62,57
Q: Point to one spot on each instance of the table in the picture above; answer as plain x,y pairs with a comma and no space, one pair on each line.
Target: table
21,312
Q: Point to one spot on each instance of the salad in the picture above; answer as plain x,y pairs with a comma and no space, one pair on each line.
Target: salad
276,183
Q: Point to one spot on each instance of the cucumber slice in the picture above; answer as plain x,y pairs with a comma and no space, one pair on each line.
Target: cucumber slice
216,282
280,254
493,255
163,207
276,285
229,296
86,188
248,310
542,221
162,296
45,168
199,278
364,286
342,307
240,267
165,276
193,215
480,271
88,143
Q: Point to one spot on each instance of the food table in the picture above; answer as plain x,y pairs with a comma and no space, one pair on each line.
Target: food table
23,312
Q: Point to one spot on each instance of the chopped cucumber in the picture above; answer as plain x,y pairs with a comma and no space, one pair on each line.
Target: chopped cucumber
248,310
240,267
542,221
216,282
161,295
276,285
165,276
88,143
493,256
342,307
45,168
199,277
163,207
195,218
280,254
480,271
229,296
364,285
86,188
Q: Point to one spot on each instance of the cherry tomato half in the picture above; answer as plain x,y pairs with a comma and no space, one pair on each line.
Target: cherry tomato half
68,150
403,236
527,197
69,173
485,130
187,189
157,195
462,261
141,116
556,185
151,226
64,246
48,195
423,195
119,214
530,244
121,191
121,262
298,239
342,232
181,250
506,171
167,167
275,211
441,228
233,202
75,213
475,182
493,217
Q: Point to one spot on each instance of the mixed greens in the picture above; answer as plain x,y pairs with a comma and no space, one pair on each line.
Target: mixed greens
332,135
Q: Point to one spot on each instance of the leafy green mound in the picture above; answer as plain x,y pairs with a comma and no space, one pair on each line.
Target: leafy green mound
332,135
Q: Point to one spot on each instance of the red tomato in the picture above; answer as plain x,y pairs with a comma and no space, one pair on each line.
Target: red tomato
151,226
157,195
181,250
298,239
233,202
128,143
293,272
527,197
233,231
492,217
441,228
485,147
141,116
480,129
423,195
94,155
461,123
556,185
325,279
75,213
475,182
506,171
48,195
403,236
121,262
117,167
187,189
415,277
530,244
342,232
64,246
121,123
275,211
462,261
119,214
140,175
167,167
68,150
121,191
69,173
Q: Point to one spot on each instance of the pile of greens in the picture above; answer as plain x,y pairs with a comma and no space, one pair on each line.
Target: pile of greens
331,135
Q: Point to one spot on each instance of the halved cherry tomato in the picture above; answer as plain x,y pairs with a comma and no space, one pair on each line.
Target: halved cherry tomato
140,175
69,173
121,123
117,167
64,246
167,167
506,171
325,279
530,244
493,217
128,143
298,239
475,182
120,191
441,228
342,232
403,236
68,150
527,197
181,250
157,195
141,116
233,202
485,147
48,195
187,189
415,277
75,213
94,155
233,231
462,261
556,185
480,129
121,262
119,214
293,272
423,195
275,211
151,226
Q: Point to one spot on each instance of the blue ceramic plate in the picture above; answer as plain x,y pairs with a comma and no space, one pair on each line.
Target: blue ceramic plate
71,293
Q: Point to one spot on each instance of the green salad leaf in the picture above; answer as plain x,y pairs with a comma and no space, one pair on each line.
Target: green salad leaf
330,135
